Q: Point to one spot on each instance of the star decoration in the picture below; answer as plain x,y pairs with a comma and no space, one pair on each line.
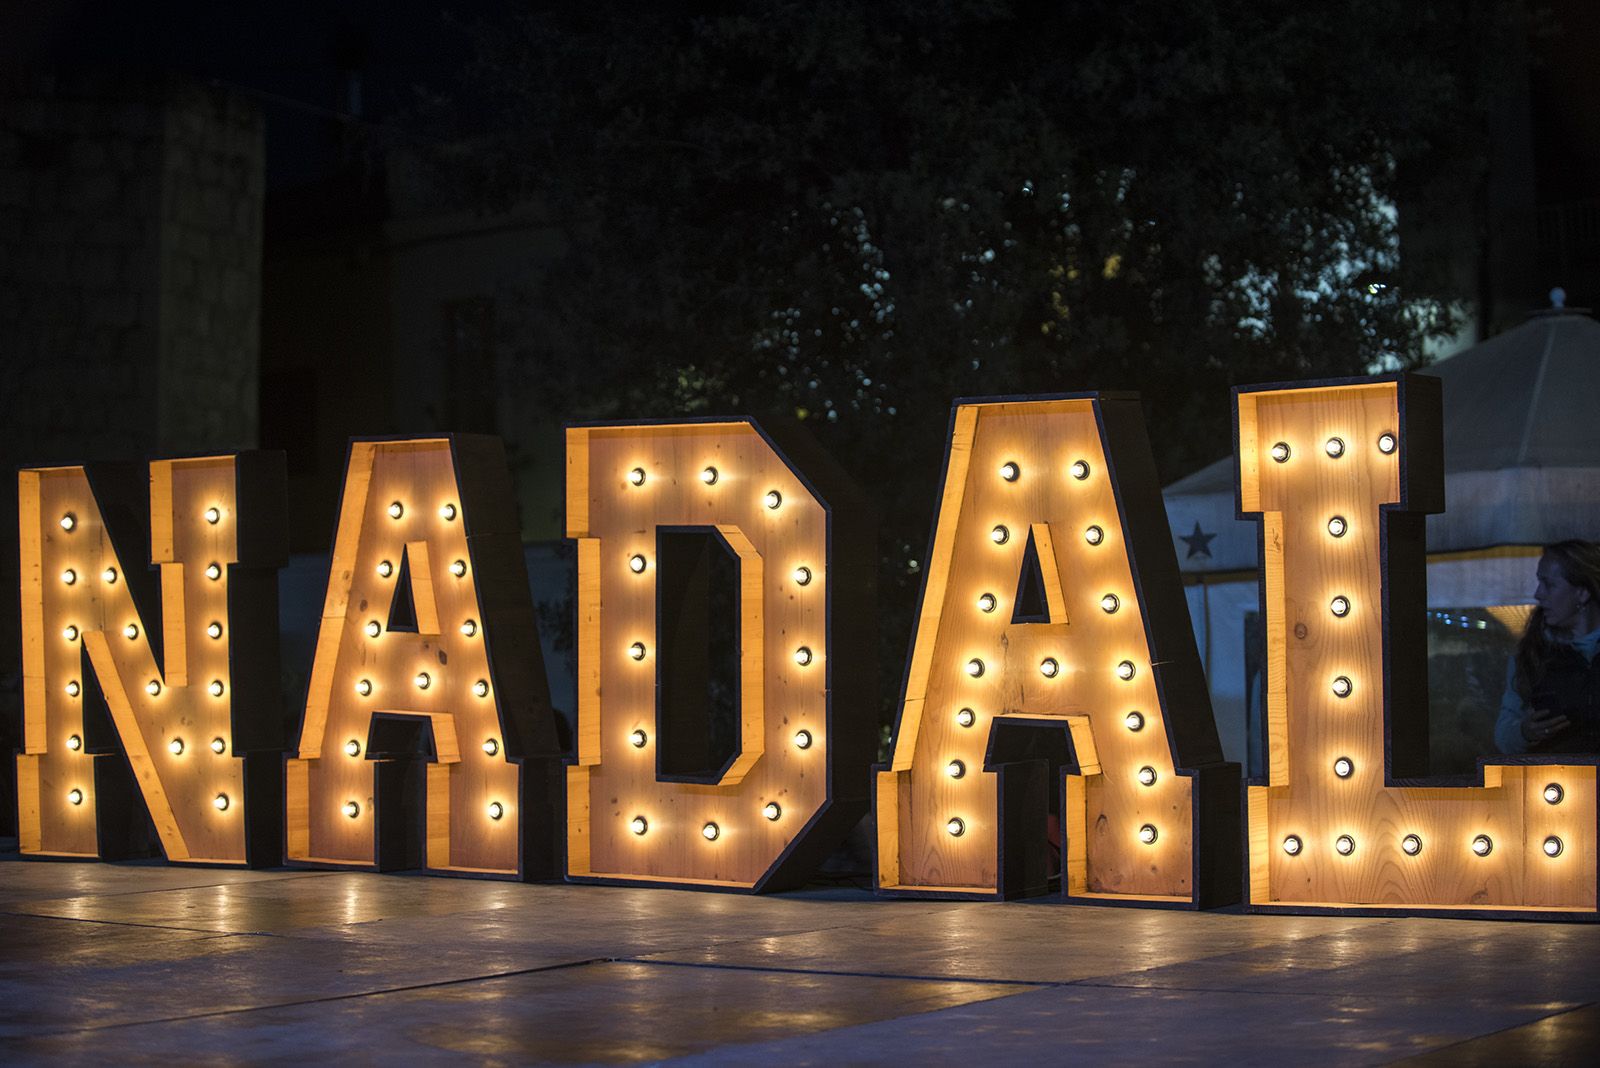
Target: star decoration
1199,542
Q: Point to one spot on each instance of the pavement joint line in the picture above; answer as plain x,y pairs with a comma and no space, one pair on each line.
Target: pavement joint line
178,889
1100,982
1500,1031
976,980
146,926
352,996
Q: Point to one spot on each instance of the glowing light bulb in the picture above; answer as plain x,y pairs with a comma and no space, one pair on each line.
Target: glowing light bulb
396,509
69,577
131,631
385,569
773,499
709,476
1334,447
772,810
175,747
109,576
352,748
802,739
74,743
1343,767
364,687
75,796
1337,526
1387,443
219,746
638,738
986,602
1553,793
215,687
638,825
213,515
491,747
1342,686
1126,670
447,512
1344,845
73,689
1483,845
955,826
213,572
1079,469
710,832
1280,452
1552,846
1094,535
496,810
70,633
1049,667
802,576
975,667
802,656
1147,776
374,628
1010,471
636,476
1134,721
214,630
1411,845
153,687
423,680
480,688
458,568
1109,603
637,564
220,802
351,809
1292,845
999,535
636,650
966,717
955,769
68,521
469,628
1339,606
1148,834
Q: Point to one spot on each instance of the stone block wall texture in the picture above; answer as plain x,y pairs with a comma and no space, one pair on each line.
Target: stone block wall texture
130,279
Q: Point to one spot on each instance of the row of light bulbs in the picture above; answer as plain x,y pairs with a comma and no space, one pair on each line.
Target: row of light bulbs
221,802
638,563
495,810
1482,845
1094,534
1334,447
212,515
397,510
955,827
639,738
1011,471
711,830
803,655
1049,667
422,680
710,476
352,748
458,568
468,628
219,745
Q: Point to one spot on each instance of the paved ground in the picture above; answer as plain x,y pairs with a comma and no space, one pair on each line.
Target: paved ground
139,963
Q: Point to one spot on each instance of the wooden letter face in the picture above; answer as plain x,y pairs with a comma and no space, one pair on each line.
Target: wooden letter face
1340,476
185,716
755,821
427,693
1053,609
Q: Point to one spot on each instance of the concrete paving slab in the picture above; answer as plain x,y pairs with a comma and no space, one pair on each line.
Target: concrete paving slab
1119,1025
43,879
601,1013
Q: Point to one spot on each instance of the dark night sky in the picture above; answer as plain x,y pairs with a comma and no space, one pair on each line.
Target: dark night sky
294,58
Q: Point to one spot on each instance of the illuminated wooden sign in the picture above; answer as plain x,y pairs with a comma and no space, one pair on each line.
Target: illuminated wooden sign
654,509
427,739
1340,476
190,695
1053,610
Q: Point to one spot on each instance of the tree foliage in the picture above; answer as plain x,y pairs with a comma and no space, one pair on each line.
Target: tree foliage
852,213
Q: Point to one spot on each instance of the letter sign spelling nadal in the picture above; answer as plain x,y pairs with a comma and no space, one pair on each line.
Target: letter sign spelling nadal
1053,607
427,644
192,695
795,782
1340,476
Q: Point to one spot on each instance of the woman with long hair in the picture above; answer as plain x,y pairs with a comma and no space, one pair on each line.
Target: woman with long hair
1552,698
